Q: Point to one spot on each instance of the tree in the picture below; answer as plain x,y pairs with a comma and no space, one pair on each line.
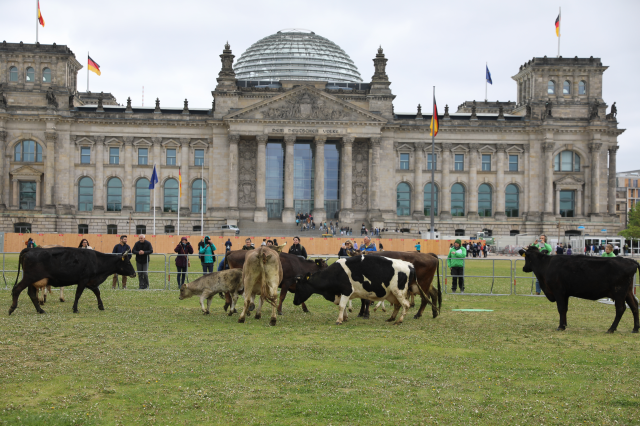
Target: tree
633,226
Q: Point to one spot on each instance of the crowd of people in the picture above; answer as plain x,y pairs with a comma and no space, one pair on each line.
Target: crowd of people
473,248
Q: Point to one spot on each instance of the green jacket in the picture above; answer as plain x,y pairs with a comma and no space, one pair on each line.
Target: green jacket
208,251
456,257
544,246
605,254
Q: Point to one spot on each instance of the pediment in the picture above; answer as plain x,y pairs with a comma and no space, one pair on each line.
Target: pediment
305,103
200,144
515,149
400,146
460,148
487,149
569,180
142,142
26,171
170,144
84,141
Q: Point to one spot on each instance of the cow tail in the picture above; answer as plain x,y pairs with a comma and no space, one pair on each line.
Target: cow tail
19,264
412,276
264,289
439,290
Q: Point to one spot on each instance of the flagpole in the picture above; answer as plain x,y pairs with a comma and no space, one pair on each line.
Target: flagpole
486,67
37,21
559,30
433,163
202,200
179,196
88,71
154,202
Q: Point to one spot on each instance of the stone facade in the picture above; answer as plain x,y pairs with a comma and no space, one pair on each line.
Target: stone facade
479,144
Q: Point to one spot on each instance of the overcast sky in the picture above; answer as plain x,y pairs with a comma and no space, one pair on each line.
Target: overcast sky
172,48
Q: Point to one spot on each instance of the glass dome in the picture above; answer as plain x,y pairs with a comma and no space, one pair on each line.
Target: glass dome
296,55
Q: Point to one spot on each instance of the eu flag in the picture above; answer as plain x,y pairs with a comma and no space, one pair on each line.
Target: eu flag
489,76
154,178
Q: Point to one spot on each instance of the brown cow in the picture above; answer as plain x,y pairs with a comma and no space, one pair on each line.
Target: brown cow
292,266
261,274
426,266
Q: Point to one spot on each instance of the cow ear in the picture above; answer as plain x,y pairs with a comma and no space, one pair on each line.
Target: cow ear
308,276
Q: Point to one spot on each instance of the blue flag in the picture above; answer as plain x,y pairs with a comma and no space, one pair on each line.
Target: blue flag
154,178
489,77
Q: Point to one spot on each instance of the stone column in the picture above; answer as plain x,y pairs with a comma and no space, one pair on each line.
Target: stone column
346,176
3,170
319,212
548,148
374,202
260,213
98,184
128,202
233,174
445,191
472,207
185,206
594,149
418,187
526,192
579,202
38,186
288,214
61,171
15,193
612,180
499,203
557,209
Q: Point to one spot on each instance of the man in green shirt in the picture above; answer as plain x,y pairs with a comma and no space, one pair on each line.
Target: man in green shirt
542,245
608,251
455,261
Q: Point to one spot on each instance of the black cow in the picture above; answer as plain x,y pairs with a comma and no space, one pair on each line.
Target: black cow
586,277
364,277
64,266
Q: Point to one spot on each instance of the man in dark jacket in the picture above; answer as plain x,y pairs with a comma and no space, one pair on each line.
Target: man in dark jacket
247,245
228,244
142,249
297,249
183,249
121,248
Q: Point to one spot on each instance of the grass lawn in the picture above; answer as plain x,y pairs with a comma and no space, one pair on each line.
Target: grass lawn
150,358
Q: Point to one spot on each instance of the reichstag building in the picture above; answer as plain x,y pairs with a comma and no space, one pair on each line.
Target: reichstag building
294,128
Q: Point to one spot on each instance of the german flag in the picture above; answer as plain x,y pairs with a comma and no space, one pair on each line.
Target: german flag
93,66
434,119
558,26
180,184
40,18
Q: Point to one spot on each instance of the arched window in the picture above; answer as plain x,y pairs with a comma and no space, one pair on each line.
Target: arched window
582,88
28,151
46,75
198,196
566,161
551,87
427,199
85,195
114,195
13,74
403,199
31,75
171,196
484,200
457,200
566,88
143,195
512,201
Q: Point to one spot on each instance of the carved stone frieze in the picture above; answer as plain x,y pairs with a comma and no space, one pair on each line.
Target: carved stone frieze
306,105
156,141
420,146
447,146
234,138
247,173
526,147
262,139
374,142
290,139
360,180
348,140
474,147
185,141
53,136
99,139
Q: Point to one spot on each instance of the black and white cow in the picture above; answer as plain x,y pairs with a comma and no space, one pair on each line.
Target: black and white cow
364,277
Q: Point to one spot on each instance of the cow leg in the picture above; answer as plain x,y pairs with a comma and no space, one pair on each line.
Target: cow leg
62,294
363,308
209,299
304,308
259,310
227,301
96,291
283,294
402,300
17,289
202,297
433,294
412,301
33,294
563,305
633,304
343,304
234,300
620,308
274,312
350,306
245,309
79,291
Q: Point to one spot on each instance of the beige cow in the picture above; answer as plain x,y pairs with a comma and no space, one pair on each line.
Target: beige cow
261,274
207,286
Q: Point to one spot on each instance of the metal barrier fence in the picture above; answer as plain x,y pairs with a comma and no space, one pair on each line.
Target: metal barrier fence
479,283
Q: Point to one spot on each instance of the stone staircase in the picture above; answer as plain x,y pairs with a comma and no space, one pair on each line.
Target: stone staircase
275,228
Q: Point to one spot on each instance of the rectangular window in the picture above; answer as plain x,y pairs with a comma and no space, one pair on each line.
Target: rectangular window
171,157
141,229
169,229
83,229
432,162
459,162
513,163
404,161
114,155
112,229
199,157
566,159
85,155
27,195
486,162
567,203
143,156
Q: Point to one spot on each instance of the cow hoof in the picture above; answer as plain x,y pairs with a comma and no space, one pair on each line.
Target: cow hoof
360,315
240,320
225,307
390,319
635,330
280,313
560,329
75,311
235,311
252,307
307,310
272,323
338,323
350,310
61,299
205,312
397,323
11,310
610,331
258,316
366,316
416,316
412,305
41,311
101,307
230,314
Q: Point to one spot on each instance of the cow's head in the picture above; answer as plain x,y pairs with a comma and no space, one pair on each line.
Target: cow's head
321,263
530,253
304,289
185,291
124,266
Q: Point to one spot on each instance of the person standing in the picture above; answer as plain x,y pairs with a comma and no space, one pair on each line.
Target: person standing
542,245
121,248
367,245
207,251
228,244
84,244
569,251
297,249
608,251
417,246
142,250
183,249
31,243
559,249
455,261
247,245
